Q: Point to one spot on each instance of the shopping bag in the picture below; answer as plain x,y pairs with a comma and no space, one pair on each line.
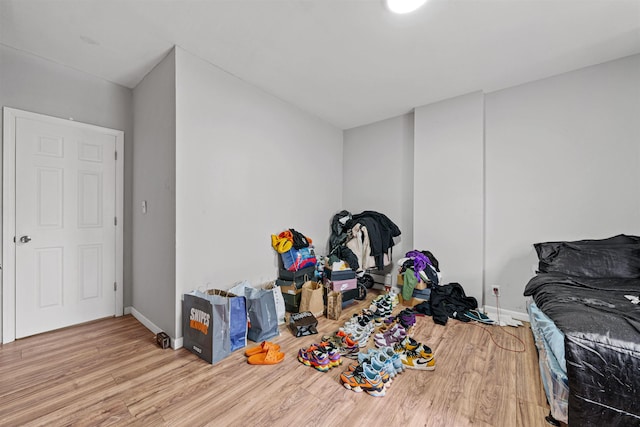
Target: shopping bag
278,298
303,324
312,298
205,325
237,318
334,305
263,318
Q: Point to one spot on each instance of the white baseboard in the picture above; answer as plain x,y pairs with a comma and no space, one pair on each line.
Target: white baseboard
176,343
490,310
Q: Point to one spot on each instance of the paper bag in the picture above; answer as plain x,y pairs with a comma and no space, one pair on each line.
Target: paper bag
312,298
334,305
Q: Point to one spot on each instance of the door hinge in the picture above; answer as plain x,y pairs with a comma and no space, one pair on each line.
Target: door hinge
115,286
116,155
115,220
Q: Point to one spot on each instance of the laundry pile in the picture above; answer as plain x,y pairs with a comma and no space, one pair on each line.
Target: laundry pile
420,270
423,289
363,241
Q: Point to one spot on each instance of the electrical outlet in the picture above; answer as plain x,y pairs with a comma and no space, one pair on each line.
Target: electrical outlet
496,290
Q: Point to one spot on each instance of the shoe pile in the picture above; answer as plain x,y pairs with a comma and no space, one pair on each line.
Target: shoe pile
266,353
322,357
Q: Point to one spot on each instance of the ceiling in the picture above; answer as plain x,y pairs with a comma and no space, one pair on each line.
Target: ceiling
349,62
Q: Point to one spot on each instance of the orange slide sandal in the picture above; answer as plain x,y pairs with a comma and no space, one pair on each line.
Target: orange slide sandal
270,357
263,347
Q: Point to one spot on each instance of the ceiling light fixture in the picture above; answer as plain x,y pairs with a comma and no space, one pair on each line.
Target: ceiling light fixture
404,6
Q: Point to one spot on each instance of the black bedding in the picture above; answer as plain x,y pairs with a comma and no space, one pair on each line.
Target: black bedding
602,344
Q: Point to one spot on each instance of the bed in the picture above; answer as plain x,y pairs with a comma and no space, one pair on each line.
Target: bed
585,318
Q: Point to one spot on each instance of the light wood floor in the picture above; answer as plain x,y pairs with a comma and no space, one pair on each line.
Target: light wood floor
111,372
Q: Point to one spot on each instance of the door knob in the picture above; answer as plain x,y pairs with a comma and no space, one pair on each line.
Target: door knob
25,239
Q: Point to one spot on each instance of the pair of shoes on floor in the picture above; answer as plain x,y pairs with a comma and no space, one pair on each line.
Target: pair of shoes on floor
344,343
383,359
415,355
382,306
363,377
479,316
266,353
358,333
406,318
392,335
322,357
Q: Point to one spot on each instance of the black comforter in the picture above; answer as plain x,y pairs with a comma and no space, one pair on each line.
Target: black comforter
602,344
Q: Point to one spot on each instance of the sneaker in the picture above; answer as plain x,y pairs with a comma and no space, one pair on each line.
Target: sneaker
378,363
395,334
393,295
395,359
407,318
346,345
363,377
409,344
314,356
335,358
413,360
359,333
346,339
381,362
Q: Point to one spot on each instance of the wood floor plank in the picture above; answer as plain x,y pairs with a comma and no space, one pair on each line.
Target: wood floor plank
111,372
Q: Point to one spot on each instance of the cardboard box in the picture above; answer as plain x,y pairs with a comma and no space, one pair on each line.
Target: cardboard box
290,283
340,274
410,303
341,285
292,296
297,276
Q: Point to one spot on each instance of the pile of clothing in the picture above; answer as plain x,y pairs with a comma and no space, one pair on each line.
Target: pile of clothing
443,301
363,241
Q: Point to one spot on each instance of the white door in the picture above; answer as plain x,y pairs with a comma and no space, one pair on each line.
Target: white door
65,225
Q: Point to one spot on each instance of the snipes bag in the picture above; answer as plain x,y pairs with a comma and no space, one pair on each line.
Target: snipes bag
205,326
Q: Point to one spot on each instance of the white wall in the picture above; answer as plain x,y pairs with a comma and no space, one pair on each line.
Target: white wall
154,181
448,188
247,165
378,173
562,163
34,84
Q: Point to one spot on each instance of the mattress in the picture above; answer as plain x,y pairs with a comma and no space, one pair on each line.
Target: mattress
601,330
549,341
